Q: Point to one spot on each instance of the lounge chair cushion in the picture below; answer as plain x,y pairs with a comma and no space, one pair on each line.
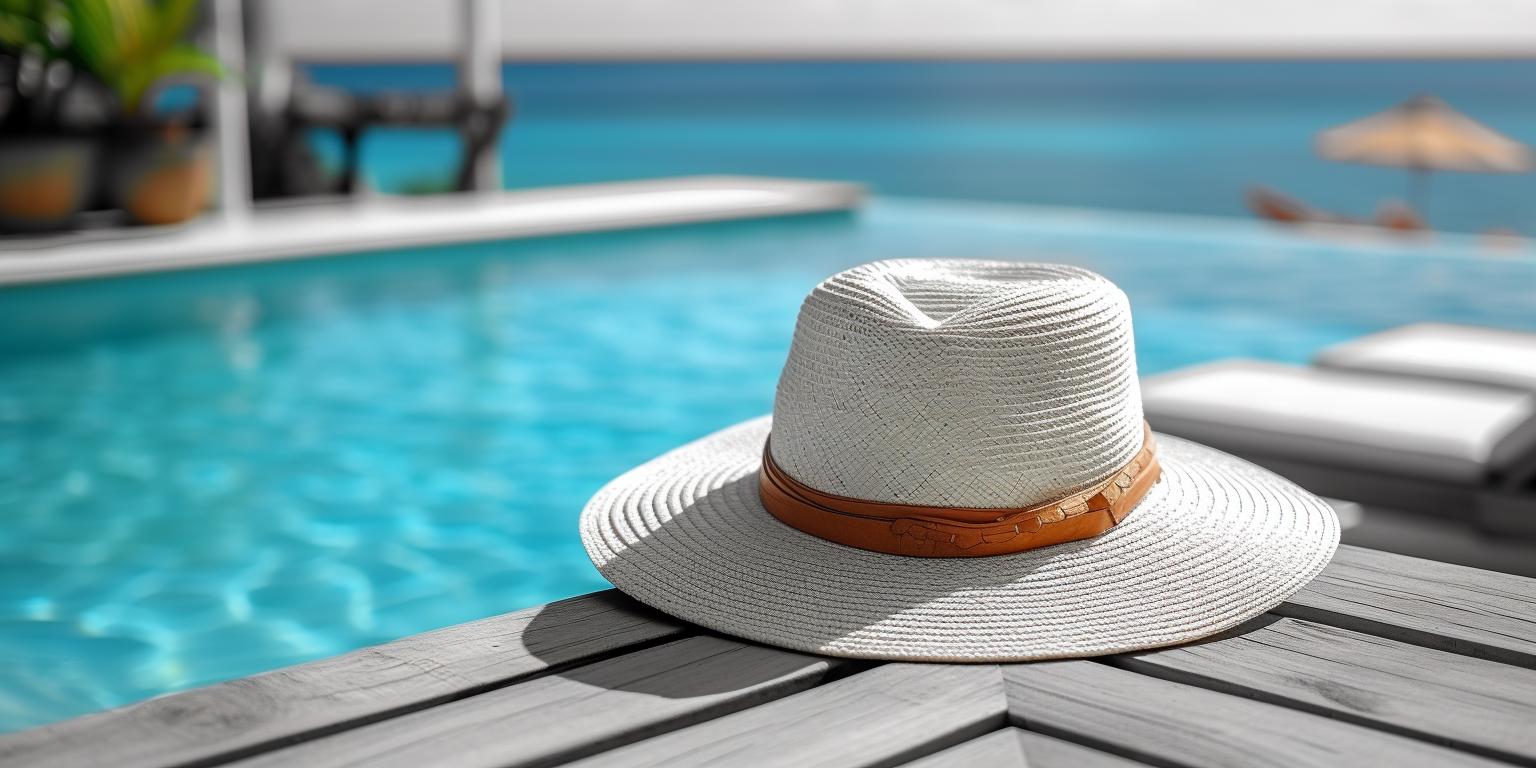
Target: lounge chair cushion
1426,429
1436,350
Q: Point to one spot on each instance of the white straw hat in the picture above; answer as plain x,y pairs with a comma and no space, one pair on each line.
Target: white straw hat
949,390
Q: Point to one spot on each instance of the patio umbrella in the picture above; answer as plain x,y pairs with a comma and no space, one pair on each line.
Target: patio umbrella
1424,134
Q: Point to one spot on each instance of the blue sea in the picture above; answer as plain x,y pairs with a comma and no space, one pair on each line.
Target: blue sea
211,473
1175,137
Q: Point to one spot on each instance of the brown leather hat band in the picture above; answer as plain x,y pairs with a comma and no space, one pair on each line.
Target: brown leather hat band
901,529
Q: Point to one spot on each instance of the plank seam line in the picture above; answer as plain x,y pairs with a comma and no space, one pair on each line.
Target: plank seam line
289,740
914,756
837,669
1406,635
944,741
1215,685
1018,720
840,666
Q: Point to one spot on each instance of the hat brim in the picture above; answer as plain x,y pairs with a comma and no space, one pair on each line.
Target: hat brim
1216,542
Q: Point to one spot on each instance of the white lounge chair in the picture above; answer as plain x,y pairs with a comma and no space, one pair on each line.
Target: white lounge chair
1441,351
1433,446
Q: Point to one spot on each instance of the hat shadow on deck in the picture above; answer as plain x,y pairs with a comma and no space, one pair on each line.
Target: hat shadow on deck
754,662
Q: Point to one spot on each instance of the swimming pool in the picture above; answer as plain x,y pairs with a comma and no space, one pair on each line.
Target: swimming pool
212,473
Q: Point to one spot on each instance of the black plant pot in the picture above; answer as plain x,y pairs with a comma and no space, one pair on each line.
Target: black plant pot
45,180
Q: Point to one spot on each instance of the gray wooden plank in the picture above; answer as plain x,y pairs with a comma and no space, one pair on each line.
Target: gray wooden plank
1015,748
998,749
219,722
1042,751
1166,723
1437,605
886,716
560,717
1473,704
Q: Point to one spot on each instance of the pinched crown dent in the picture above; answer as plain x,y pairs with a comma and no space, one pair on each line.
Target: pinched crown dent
963,383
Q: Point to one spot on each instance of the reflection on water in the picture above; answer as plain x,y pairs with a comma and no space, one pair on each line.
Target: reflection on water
209,474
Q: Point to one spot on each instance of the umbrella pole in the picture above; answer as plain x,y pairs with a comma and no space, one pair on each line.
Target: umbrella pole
1418,191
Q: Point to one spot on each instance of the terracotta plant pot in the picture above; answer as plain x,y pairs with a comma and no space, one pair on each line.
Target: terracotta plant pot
163,175
44,181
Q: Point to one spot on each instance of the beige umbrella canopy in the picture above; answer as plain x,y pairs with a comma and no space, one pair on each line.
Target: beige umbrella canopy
1425,134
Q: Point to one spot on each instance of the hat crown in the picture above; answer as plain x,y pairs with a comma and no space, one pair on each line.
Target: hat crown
959,383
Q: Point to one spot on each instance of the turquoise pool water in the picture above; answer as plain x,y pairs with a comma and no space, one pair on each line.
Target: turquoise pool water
209,474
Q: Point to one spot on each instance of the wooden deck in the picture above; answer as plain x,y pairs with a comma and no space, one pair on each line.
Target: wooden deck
1383,660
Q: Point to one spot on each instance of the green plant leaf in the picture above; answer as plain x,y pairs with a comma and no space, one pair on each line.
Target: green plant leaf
177,60
17,31
130,44
171,19
27,23
109,34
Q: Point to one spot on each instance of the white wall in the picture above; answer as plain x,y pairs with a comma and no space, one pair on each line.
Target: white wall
819,29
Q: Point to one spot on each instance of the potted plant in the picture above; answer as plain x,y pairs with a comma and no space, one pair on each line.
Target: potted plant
162,158
123,56
49,117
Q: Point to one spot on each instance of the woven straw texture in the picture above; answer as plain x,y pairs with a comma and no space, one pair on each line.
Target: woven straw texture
957,383
1216,542
977,384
